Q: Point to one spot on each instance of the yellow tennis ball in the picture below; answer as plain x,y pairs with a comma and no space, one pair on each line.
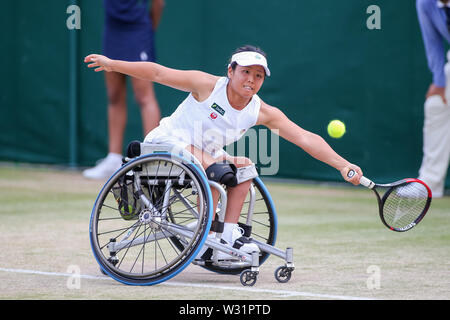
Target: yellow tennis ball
336,129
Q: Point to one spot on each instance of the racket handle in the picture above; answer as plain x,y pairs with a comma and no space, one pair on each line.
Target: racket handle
363,180
366,182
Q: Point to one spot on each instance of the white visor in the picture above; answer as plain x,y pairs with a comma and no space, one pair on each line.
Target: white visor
250,58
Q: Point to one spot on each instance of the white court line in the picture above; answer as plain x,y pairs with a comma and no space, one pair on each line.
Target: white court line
277,293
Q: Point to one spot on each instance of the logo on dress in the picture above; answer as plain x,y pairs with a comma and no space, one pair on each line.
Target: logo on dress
213,115
217,108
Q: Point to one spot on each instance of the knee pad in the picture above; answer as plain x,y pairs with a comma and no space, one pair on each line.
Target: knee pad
229,175
222,172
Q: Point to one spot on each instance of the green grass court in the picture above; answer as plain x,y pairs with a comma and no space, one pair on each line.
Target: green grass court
341,248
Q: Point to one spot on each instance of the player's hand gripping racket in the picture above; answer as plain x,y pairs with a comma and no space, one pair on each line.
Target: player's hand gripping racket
403,205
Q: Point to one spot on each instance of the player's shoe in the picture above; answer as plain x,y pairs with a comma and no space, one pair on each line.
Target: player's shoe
239,242
105,167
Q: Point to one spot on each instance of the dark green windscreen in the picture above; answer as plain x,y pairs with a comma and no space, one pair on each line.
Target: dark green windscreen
326,64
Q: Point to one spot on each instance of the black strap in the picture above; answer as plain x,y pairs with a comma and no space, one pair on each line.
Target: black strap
207,255
240,242
217,226
247,229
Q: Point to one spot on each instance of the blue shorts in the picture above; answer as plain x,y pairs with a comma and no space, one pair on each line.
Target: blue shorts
129,41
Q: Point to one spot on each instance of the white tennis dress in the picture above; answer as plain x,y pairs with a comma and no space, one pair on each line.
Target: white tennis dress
208,125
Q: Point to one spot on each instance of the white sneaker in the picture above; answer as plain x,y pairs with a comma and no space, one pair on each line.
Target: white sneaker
239,242
105,168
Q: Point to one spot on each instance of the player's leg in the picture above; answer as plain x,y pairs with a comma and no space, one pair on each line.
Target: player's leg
144,94
236,197
237,194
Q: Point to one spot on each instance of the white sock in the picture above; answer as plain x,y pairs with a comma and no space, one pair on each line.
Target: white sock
228,231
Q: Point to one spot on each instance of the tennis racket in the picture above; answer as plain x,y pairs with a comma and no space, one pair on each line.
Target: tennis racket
404,203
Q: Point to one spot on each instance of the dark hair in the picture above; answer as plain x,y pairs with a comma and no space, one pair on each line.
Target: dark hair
246,48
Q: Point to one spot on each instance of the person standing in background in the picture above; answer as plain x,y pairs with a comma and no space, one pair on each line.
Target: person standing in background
434,20
130,27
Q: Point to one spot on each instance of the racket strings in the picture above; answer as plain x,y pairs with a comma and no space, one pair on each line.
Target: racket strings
405,204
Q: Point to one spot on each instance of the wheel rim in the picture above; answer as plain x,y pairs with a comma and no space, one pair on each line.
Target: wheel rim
157,258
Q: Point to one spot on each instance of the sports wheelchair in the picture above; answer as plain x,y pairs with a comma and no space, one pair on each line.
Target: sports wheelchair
154,214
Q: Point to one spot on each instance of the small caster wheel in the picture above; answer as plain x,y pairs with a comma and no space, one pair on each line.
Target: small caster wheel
283,274
248,278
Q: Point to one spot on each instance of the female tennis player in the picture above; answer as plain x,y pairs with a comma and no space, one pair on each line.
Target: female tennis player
221,109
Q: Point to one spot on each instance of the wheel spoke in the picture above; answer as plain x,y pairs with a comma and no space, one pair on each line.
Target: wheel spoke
146,250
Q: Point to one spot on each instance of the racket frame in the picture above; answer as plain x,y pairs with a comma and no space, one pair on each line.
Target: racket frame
390,187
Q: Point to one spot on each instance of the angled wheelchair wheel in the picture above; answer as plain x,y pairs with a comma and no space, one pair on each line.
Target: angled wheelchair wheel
144,212
263,221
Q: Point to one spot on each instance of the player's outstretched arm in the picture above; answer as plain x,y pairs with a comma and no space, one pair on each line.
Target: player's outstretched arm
313,144
199,83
